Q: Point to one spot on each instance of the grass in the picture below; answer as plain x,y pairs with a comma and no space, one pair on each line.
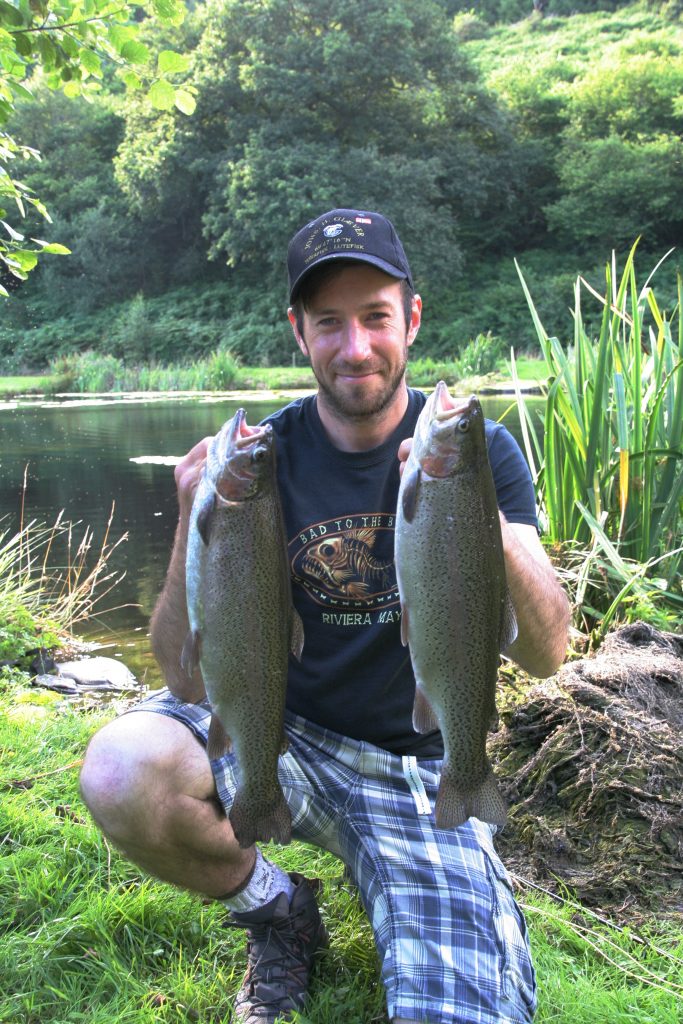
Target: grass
573,42
86,937
25,384
51,578
481,360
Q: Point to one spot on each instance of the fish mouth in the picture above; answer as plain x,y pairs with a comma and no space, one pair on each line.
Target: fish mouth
448,407
447,422
240,436
239,458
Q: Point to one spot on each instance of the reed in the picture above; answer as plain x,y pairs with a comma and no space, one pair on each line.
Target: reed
51,579
607,459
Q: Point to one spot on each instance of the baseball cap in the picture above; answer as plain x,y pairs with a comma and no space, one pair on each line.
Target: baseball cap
350,235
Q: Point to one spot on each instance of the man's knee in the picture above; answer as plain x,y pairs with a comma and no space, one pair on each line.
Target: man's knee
111,772
129,766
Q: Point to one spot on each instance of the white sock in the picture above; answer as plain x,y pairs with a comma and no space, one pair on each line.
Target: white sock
267,881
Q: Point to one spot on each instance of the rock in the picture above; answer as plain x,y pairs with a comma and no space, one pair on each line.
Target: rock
52,682
95,674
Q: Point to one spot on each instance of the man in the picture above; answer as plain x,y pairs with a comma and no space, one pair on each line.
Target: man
360,782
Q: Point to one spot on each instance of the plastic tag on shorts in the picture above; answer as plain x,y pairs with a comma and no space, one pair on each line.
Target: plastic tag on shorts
412,777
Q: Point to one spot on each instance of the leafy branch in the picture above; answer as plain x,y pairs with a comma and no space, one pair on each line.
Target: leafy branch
49,40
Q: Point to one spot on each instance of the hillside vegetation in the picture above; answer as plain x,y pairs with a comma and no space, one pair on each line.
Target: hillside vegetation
551,137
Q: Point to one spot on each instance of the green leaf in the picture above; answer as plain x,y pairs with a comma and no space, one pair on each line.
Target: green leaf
20,90
9,14
26,259
52,247
170,62
70,46
47,51
185,101
135,52
169,11
41,208
119,35
132,80
72,89
23,44
162,95
91,62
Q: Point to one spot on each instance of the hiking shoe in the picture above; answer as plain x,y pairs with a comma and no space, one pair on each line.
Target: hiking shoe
282,939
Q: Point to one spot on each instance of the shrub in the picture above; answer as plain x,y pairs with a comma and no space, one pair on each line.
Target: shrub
610,467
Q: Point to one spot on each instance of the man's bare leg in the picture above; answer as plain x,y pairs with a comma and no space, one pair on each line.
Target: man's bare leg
149,786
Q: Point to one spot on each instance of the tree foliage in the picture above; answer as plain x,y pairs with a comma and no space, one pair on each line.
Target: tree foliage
67,44
554,139
303,106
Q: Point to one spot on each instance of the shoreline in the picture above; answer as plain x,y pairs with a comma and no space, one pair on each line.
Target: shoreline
8,394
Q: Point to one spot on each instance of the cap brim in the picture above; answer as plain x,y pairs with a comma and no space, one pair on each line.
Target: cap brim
374,261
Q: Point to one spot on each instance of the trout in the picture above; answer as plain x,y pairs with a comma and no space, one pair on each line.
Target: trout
456,611
242,621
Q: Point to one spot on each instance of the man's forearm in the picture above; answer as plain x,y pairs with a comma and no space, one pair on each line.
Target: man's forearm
540,603
170,625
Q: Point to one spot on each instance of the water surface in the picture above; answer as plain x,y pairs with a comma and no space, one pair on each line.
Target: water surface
76,454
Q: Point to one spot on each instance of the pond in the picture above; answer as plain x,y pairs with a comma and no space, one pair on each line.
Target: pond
76,453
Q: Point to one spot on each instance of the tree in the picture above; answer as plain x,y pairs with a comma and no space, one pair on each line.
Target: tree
615,190
307,105
67,44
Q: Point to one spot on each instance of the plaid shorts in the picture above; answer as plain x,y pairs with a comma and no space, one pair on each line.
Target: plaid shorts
452,941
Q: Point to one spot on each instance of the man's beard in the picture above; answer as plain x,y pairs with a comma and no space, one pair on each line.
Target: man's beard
356,404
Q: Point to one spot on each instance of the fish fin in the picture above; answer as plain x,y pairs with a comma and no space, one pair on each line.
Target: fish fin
205,518
454,805
508,625
252,822
296,640
189,656
424,719
284,743
218,742
409,493
404,625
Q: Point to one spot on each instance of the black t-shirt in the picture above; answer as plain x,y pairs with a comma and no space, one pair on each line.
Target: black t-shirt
355,676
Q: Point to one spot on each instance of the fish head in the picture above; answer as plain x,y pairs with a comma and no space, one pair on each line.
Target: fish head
241,459
449,435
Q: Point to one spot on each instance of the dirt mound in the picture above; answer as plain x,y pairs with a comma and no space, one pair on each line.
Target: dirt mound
592,763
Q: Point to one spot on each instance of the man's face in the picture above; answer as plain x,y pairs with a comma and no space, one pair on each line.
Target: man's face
355,335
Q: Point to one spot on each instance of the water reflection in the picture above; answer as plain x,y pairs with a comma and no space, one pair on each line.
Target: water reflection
83,455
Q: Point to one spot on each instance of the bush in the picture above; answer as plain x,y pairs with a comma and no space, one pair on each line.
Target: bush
19,630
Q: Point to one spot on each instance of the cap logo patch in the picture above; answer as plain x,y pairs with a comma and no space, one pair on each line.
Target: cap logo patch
332,230
363,220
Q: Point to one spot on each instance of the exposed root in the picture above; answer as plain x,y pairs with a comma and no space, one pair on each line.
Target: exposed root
592,763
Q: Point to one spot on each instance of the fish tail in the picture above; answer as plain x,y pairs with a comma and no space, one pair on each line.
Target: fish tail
454,805
254,822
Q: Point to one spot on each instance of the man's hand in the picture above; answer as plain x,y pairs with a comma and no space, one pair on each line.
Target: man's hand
403,453
187,474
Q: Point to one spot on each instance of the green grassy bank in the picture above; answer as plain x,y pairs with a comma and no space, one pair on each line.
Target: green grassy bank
87,937
94,373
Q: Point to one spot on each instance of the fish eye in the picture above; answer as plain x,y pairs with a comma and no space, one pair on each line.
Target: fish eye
259,453
464,424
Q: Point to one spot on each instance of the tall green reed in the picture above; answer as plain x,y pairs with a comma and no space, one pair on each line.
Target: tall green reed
97,372
609,467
